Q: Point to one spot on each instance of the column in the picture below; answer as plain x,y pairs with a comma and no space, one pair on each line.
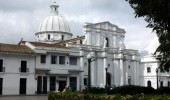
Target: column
48,83
82,68
137,73
104,66
114,41
121,73
67,81
126,72
78,83
81,74
134,73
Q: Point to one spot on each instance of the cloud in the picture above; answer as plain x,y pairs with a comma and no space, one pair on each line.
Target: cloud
144,53
21,18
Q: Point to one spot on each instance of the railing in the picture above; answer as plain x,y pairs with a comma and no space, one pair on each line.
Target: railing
3,69
23,70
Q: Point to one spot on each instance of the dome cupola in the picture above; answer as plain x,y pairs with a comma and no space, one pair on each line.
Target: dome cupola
53,28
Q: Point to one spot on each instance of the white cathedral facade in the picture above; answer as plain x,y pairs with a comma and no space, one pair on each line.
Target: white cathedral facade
56,60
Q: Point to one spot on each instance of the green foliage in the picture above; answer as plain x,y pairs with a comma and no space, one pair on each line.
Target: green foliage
123,90
131,90
97,90
157,14
163,90
79,96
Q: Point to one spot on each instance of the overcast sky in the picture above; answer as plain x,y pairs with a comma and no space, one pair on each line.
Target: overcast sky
21,18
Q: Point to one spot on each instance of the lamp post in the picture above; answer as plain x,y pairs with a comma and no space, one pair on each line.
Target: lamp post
89,75
89,57
157,77
106,78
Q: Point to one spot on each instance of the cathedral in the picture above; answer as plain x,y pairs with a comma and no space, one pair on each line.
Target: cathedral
56,60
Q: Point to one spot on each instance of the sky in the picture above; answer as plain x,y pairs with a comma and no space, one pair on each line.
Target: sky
21,18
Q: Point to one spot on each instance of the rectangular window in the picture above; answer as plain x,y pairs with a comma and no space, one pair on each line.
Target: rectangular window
43,58
61,59
23,66
73,60
53,59
73,83
1,65
148,69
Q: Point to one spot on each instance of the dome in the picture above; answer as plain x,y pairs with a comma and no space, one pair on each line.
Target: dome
53,28
54,23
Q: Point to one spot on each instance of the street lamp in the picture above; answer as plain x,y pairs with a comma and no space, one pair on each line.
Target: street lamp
90,59
106,77
157,77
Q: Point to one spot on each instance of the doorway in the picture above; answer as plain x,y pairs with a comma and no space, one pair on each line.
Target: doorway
108,79
52,83
62,85
42,85
73,83
23,86
1,85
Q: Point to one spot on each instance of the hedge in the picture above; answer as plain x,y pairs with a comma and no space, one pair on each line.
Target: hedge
123,90
130,89
163,90
80,96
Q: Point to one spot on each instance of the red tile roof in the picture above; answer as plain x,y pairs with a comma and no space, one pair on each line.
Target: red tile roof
72,40
12,48
39,44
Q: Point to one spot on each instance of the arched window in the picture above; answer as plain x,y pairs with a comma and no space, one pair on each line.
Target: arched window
149,84
107,42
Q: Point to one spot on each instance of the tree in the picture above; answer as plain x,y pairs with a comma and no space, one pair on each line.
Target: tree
157,14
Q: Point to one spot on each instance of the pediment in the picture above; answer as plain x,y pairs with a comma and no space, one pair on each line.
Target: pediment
107,26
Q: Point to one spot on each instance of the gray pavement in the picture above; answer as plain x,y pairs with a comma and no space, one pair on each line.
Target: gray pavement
23,97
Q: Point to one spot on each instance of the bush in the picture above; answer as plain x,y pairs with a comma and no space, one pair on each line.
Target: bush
130,89
163,90
96,90
123,90
80,96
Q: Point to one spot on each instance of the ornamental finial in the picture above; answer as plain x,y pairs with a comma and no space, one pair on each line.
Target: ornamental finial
54,7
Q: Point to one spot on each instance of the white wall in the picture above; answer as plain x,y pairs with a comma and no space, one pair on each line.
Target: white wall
145,76
11,76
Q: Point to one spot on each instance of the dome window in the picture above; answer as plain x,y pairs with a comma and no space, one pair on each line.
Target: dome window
49,37
62,37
